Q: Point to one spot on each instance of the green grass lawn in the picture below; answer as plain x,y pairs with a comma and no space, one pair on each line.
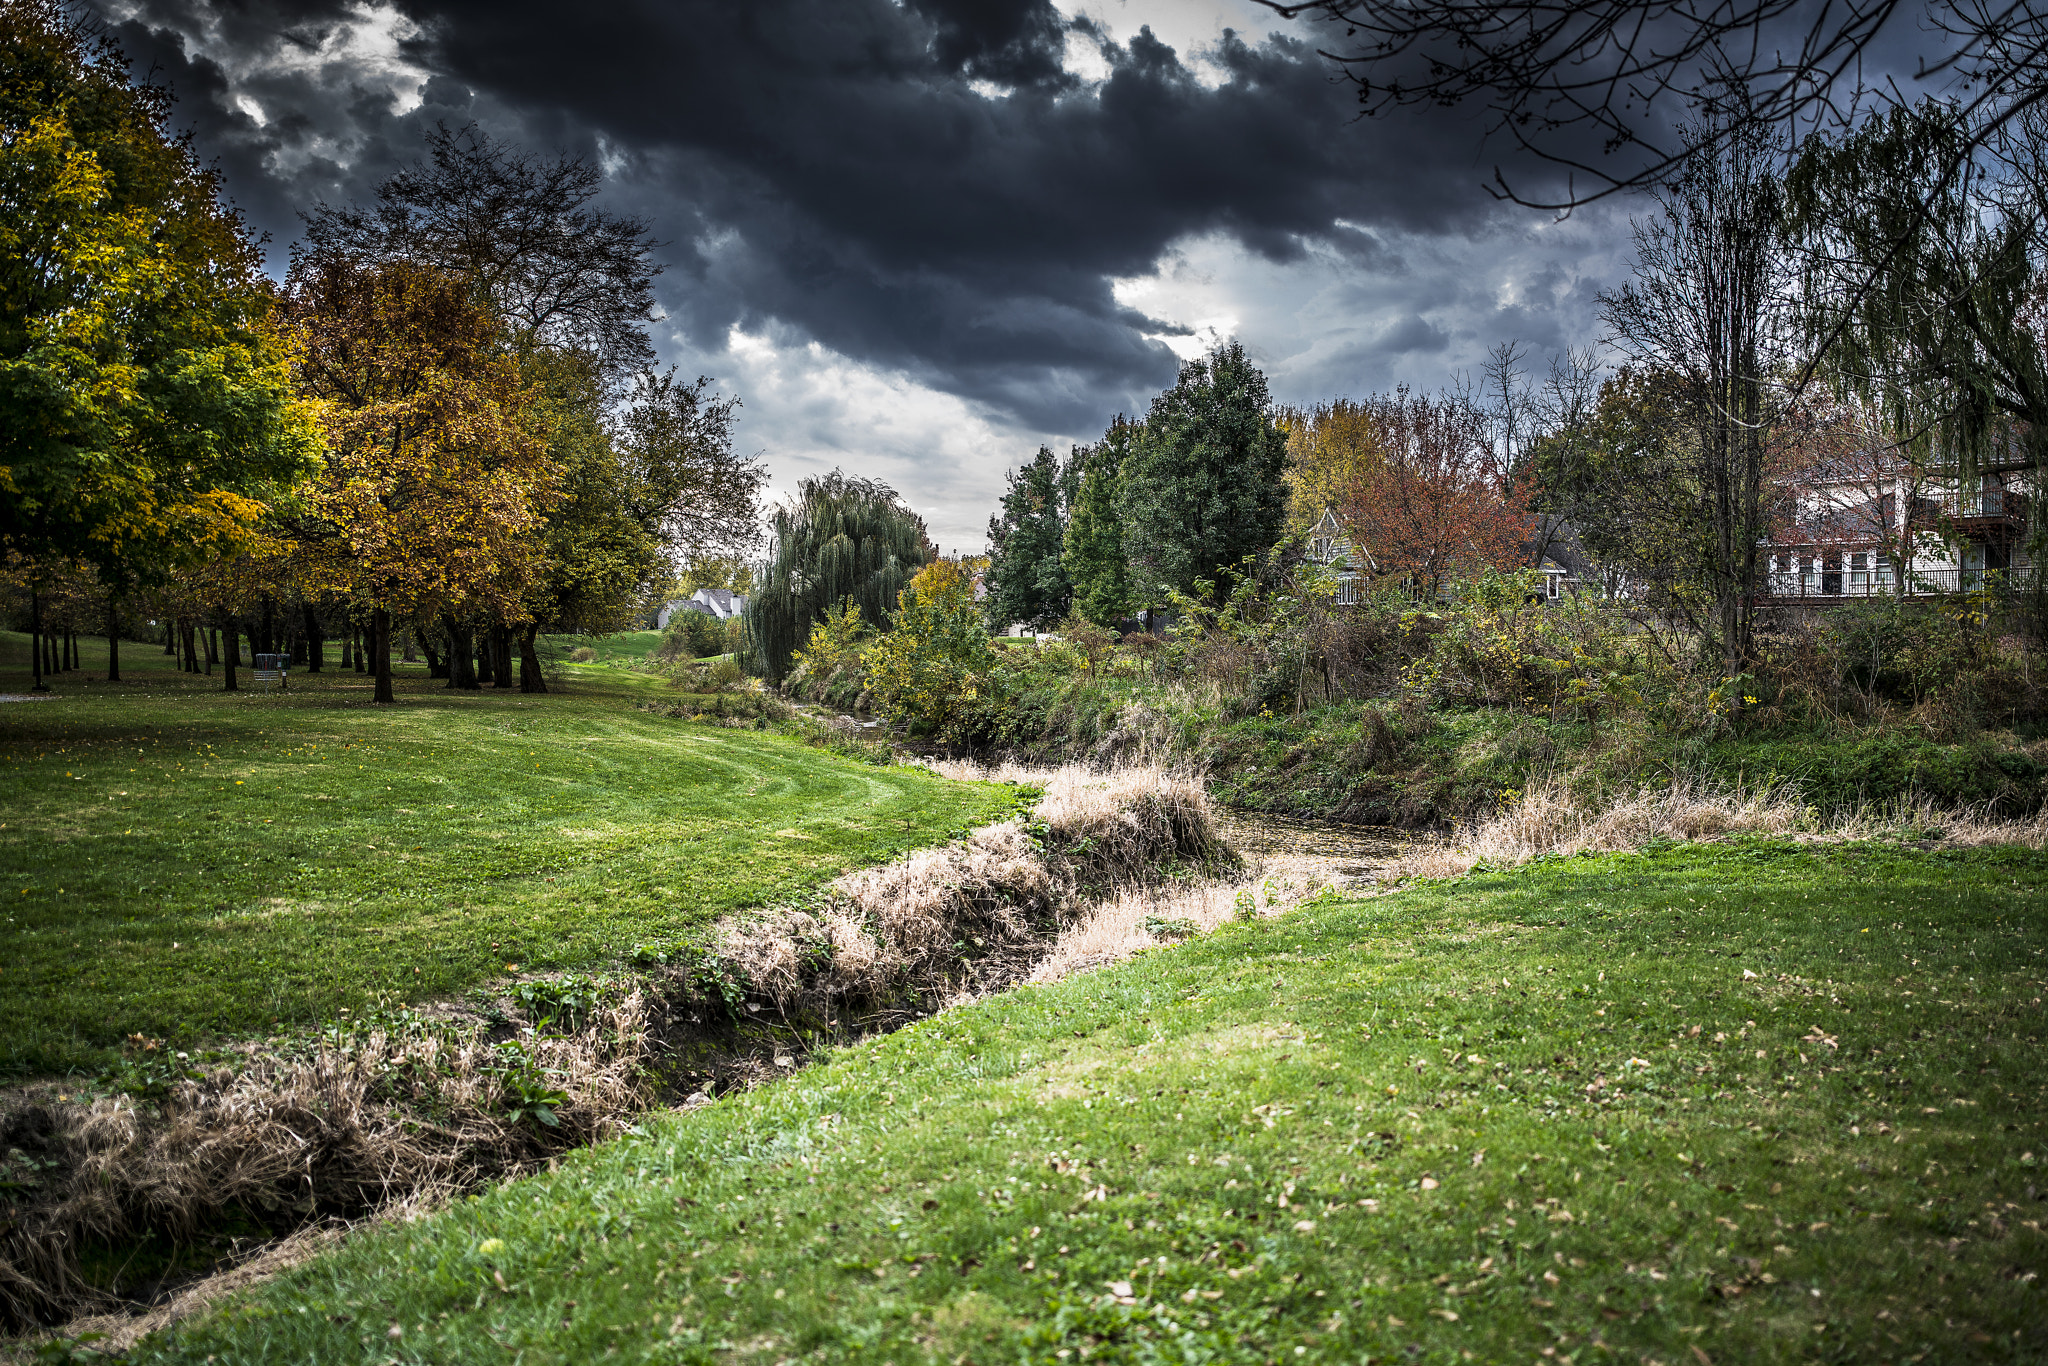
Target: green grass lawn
1698,1105
627,647
177,861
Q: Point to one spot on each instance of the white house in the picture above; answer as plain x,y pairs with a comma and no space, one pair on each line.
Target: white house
721,603
1854,521
1330,546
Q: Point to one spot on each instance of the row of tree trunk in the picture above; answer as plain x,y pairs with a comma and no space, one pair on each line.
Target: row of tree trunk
469,658
56,651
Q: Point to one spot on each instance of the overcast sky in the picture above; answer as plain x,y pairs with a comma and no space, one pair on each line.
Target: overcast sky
919,239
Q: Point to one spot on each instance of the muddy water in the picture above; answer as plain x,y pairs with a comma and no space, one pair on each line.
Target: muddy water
1307,853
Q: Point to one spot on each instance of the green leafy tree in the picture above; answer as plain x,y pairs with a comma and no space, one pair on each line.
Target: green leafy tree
146,403
1205,488
932,666
1941,256
841,539
1027,579
1094,544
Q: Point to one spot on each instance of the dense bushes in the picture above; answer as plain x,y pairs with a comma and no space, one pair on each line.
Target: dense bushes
1394,711
698,635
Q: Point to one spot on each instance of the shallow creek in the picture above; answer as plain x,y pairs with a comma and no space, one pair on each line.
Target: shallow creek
1309,853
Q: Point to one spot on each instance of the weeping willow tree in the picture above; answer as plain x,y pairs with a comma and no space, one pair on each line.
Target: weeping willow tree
841,539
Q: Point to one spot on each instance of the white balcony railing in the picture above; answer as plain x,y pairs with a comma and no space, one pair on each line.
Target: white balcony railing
1881,582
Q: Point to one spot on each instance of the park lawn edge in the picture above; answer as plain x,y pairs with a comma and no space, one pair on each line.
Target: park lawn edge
199,868
1473,1117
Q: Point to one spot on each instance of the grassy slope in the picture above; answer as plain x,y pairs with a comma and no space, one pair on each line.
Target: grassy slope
626,646
175,860
1530,1112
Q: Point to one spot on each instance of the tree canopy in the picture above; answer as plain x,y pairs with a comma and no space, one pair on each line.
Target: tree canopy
1093,549
559,272
841,540
1204,488
146,407
1027,577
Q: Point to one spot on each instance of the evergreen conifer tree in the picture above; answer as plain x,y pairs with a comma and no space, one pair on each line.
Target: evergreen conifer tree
1027,580
1203,489
1094,544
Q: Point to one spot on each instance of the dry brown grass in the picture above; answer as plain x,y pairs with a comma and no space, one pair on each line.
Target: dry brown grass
976,915
370,1118
366,1118
1132,921
1550,819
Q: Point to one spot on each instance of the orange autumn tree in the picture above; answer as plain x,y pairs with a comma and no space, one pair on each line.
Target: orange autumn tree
1438,503
434,479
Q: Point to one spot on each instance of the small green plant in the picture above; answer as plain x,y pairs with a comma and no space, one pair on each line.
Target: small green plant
714,977
529,1093
1245,906
148,1069
1170,927
563,1003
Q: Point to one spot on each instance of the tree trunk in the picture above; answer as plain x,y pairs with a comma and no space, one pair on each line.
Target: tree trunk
461,655
380,652
484,657
411,639
230,652
35,640
501,656
113,639
530,679
70,650
437,667
264,641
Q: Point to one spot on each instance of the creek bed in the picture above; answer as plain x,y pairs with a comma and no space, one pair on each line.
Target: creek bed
1307,851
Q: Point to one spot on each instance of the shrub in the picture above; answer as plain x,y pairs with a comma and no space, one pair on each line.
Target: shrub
830,667
937,662
583,654
697,635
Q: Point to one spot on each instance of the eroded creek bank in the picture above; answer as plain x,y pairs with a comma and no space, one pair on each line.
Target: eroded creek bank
398,1113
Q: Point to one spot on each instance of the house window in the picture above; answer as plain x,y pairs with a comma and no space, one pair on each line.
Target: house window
1550,581
1347,591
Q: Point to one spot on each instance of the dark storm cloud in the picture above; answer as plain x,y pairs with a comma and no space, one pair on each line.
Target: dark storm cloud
919,186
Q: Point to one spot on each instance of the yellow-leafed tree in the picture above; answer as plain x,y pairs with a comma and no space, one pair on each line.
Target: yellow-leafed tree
434,479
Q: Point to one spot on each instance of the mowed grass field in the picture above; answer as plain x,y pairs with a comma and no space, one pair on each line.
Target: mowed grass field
176,861
1695,1106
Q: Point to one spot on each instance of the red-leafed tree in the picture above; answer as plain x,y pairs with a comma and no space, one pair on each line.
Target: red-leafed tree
1440,503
